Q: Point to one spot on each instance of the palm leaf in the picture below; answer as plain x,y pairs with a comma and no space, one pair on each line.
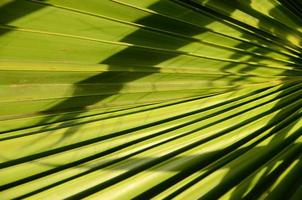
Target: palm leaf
123,99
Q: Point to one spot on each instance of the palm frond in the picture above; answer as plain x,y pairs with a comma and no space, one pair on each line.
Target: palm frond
162,99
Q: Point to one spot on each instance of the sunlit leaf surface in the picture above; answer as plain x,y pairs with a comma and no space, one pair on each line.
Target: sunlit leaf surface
141,99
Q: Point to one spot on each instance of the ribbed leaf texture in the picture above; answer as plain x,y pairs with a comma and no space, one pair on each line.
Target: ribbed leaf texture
141,99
